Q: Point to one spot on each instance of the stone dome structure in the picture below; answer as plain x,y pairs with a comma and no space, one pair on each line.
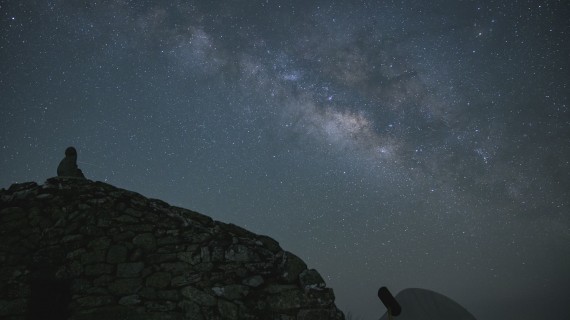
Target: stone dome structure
83,250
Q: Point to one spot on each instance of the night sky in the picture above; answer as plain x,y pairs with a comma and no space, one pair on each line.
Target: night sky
386,143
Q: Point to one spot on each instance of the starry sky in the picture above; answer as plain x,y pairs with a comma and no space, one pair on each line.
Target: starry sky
386,143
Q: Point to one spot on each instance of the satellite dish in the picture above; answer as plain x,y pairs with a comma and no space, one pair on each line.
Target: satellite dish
422,304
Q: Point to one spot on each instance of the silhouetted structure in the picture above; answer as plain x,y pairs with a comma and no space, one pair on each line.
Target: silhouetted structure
423,304
74,249
68,166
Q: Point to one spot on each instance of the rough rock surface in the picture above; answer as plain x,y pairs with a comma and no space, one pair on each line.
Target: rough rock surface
78,249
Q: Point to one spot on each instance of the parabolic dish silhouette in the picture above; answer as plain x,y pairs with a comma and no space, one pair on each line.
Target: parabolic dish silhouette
422,304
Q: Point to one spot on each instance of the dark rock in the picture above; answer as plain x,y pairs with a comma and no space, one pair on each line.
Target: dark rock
148,293
80,286
103,280
129,269
189,257
286,300
146,241
159,280
175,268
12,307
131,300
122,236
101,243
168,240
136,255
26,186
318,314
94,301
198,296
125,313
170,295
123,287
160,306
292,267
117,254
98,269
191,310
241,253
278,288
228,310
205,254
12,213
217,254
160,257
93,257
203,267
186,279
311,279
44,196
254,281
231,292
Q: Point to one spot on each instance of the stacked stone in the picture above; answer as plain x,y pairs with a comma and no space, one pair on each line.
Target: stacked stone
111,253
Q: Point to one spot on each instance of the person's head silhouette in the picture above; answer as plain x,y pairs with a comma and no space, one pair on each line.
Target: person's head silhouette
68,166
70,152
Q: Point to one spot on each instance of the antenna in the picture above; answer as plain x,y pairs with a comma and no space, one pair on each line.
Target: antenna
390,302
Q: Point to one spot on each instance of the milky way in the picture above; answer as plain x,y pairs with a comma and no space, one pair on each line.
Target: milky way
400,144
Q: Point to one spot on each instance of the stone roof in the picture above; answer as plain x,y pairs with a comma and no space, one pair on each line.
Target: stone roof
78,249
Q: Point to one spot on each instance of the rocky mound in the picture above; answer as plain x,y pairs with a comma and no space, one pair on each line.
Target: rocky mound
78,249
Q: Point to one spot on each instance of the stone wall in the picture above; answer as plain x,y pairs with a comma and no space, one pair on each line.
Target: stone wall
77,249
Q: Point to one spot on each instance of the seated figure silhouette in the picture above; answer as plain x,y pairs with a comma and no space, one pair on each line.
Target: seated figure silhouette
68,166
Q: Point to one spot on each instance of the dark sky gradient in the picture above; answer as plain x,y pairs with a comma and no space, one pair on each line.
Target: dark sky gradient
387,143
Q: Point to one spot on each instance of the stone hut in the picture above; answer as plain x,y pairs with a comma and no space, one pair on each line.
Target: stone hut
84,250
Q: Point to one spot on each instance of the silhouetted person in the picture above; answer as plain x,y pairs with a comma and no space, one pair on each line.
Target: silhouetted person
68,166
